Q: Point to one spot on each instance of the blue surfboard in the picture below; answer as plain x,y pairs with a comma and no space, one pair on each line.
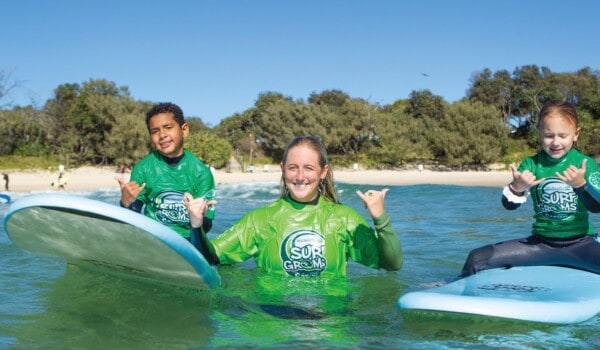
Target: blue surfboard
95,234
547,294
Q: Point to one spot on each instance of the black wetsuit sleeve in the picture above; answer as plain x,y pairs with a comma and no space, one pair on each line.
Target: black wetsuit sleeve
207,225
590,197
136,206
508,204
199,240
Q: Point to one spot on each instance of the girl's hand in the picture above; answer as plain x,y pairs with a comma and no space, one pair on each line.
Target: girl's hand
573,176
523,181
374,201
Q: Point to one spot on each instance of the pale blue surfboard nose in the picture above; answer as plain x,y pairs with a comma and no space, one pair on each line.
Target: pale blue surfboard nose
549,294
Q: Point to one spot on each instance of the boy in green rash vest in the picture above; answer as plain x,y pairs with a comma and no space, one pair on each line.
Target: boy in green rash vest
564,185
160,180
306,232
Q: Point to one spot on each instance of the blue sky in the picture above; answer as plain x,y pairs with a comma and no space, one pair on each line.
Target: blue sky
214,58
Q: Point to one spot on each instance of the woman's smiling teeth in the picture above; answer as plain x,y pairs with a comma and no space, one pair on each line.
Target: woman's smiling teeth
300,184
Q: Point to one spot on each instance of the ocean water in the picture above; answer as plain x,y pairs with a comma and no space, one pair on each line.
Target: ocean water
45,304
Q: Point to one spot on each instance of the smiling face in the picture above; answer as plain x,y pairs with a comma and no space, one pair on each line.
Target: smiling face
557,135
167,135
302,173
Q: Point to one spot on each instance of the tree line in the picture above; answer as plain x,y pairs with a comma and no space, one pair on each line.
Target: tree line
98,122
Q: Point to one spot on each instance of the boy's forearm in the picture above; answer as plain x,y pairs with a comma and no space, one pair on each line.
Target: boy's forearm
200,240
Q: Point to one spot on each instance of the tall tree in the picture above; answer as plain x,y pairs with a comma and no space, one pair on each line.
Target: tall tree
400,140
266,99
493,89
533,87
330,98
128,140
282,120
22,133
95,114
211,149
424,103
470,134
237,130
59,130
7,85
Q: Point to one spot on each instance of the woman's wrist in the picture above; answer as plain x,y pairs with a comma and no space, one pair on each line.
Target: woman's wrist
382,220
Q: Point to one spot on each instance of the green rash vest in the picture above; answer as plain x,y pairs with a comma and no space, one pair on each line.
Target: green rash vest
166,184
559,213
296,239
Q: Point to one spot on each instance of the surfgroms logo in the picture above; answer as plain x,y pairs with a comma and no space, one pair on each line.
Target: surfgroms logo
595,179
557,200
170,208
303,253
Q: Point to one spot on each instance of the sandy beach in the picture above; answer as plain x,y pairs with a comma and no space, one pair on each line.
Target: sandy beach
89,178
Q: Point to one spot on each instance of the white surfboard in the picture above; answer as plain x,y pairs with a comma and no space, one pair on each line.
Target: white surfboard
548,294
95,234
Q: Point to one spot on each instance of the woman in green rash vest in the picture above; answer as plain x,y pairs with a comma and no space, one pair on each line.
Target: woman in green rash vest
564,185
306,232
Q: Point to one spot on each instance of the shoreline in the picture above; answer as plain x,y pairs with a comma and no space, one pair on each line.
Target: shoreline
91,178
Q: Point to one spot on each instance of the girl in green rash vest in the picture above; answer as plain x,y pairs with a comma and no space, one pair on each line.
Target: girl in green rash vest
564,185
306,232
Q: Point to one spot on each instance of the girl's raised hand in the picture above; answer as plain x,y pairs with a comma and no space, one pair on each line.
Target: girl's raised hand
573,176
523,181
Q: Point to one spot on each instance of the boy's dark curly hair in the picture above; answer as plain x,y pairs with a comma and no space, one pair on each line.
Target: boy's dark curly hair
166,107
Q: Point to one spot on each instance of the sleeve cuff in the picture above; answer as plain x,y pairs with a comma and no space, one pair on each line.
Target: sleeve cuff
513,198
382,221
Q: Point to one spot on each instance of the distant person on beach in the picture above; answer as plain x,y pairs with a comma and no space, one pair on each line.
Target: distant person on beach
61,181
564,185
159,181
5,177
307,231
